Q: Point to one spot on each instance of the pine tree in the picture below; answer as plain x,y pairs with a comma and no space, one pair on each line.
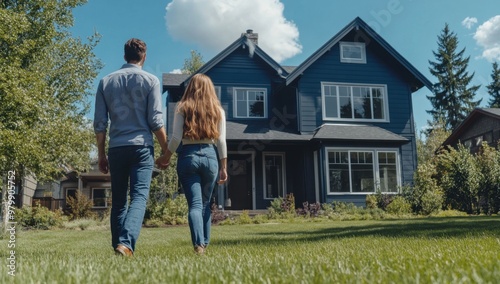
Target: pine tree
494,87
453,100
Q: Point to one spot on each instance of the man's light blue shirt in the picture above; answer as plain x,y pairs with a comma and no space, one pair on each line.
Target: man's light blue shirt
130,99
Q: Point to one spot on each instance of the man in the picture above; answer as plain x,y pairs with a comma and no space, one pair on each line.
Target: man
130,98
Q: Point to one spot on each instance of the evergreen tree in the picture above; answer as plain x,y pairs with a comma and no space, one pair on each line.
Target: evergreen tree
494,87
453,99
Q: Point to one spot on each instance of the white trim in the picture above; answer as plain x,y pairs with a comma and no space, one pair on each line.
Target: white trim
283,171
376,168
316,175
218,91
351,85
360,45
235,113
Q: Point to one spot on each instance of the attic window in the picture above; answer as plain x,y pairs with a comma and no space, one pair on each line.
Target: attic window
352,52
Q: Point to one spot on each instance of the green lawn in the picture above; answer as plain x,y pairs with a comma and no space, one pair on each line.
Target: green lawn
433,250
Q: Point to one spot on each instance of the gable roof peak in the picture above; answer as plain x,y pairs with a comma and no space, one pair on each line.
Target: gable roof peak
366,33
254,37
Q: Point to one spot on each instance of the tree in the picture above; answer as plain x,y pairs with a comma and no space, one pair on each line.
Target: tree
453,99
494,86
428,148
45,80
192,64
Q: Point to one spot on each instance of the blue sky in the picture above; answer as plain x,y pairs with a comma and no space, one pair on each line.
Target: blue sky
291,30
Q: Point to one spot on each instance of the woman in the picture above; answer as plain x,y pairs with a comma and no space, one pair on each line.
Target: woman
200,124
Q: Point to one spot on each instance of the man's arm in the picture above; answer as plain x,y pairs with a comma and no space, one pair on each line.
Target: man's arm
161,135
164,160
101,152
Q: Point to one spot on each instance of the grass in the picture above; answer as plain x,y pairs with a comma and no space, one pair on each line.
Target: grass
430,250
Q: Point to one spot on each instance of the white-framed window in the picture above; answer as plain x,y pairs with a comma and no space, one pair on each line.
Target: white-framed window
352,52
274,175
101,197
250,103
352,171
217,91
360,102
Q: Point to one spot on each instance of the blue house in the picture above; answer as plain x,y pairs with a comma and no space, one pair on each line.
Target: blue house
335,128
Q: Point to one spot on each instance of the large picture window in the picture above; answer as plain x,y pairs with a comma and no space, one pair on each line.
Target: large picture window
362,171
250,103
354,102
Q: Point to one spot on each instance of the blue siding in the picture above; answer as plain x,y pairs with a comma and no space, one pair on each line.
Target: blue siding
240,70
375,71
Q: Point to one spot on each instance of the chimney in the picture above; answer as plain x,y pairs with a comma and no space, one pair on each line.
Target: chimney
254,37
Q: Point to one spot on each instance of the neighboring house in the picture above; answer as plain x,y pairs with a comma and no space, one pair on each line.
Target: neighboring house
335,128
481,125
93,184
24,188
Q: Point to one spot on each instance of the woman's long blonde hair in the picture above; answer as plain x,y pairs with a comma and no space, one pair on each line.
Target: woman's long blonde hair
201,109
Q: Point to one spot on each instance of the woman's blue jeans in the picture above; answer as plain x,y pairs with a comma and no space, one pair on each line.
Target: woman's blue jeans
131,168
198,169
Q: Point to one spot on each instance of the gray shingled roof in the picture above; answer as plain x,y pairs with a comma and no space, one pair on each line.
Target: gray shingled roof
262,130
356,132
171,79
494,111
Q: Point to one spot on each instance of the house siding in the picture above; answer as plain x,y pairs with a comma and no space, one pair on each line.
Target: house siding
375,71
297,102
482,125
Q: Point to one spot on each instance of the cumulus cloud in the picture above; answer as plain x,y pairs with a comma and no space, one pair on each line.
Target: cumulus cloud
213,25
487,36
469,22
176,71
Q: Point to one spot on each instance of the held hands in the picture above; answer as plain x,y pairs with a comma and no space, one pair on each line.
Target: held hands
163,162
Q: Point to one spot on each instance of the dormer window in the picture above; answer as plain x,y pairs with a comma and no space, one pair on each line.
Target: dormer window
352,52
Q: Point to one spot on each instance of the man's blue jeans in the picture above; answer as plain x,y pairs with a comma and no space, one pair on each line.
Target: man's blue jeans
131,168
197,168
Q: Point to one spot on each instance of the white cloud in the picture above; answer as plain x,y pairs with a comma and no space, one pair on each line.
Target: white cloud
176,71
469,22
488,37
215,24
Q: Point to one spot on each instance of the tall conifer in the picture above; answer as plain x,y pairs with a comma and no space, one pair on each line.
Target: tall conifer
494,87
453,99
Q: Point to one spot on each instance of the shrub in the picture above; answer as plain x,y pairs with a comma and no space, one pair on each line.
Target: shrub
154,223
431,202
175,211
383,199
489,191
38,217
217,215
244,218
309,209
398,206
282,207
79,206
371,201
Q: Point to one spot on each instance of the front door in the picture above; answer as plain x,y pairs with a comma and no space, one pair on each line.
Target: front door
240,182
